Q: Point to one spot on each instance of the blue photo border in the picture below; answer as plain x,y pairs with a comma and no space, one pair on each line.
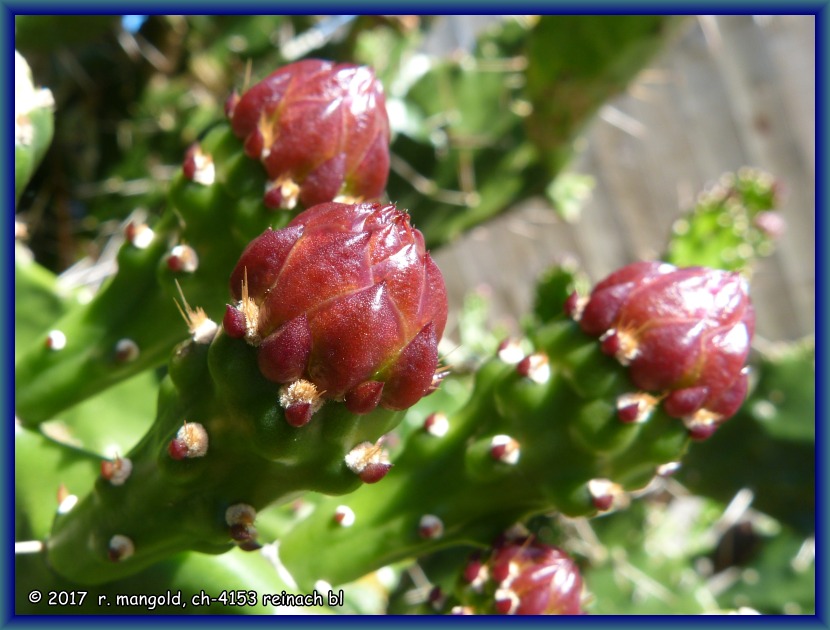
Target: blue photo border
818,9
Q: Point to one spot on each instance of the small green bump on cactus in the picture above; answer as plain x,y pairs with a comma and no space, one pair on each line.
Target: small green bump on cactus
561,284
505,450
597,428
480,462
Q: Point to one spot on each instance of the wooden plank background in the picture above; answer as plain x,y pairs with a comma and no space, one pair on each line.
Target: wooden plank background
727,92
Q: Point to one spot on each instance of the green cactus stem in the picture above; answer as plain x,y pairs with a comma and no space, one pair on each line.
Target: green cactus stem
519,447
33,124
220,450
194,244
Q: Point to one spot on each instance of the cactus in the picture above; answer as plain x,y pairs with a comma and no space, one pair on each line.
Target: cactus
230,435
216,209
521,576
320,130
566,416
312,430
731,225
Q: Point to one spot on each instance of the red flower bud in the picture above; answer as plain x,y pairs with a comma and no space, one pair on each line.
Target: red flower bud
346,298
682,332
321,131
535,579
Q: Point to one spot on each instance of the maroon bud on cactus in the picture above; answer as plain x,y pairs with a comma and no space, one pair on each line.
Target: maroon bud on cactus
126,350
473,570
535,367
182,259
177,449
606,494
191,441
436,598
240,518
430,527
320,130
120,548
139,235
198,166
535,579
344,516
347,299
368,461
635,407
682,332
116,471
574,305
234,322
437,424
505,449
364,398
